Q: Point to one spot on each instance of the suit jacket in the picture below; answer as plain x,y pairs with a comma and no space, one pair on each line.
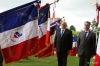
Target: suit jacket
63,43
88,45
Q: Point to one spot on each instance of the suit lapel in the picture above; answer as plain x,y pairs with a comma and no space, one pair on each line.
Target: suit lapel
83,33
59,33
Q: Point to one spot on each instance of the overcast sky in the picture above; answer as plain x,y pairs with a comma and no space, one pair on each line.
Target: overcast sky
76,12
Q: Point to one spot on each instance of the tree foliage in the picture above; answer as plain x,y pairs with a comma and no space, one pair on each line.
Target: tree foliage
98,29
75,33
93,25
72,28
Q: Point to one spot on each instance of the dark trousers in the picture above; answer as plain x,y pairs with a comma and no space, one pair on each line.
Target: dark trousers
84,60
1,59
62,58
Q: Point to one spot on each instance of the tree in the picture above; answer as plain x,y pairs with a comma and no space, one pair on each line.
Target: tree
95,28
93,25
98,29
72,28
75,33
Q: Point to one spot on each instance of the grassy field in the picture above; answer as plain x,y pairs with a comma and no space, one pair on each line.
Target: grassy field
48,61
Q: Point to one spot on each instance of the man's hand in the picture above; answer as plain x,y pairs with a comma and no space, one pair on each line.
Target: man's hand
77,55
92,56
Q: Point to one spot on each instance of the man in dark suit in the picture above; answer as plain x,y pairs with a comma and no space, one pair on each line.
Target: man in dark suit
86,45
63,43
1,59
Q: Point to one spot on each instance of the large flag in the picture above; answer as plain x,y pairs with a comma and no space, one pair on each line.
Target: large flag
19,32
49,51
74,47
43,18
50,34
98,12
97,57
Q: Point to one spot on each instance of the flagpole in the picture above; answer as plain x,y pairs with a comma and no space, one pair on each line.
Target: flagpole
96,28
94,3
54,2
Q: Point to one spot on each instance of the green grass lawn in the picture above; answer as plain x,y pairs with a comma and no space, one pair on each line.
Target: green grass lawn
48,61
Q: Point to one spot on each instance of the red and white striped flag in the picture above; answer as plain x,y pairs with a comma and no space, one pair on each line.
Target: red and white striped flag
97,16
43,17
49,51
48,33
97,57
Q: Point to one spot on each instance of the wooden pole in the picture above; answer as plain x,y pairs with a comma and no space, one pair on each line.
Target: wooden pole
54,2
62,17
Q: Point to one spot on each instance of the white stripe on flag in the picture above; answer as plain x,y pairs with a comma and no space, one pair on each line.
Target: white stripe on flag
28,31
42,29
74,44
48,28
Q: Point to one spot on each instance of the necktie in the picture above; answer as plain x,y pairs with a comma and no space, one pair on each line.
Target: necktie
62,33
85,35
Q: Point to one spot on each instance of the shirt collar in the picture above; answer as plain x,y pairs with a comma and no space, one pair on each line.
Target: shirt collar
62,29
87,31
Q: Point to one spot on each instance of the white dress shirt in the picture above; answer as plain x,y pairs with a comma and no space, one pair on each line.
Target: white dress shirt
62,30
87,33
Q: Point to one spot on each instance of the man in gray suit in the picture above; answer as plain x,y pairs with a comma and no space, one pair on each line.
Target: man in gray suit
86,45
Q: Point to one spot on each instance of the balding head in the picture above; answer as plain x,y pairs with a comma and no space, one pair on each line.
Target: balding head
63,25
87,25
